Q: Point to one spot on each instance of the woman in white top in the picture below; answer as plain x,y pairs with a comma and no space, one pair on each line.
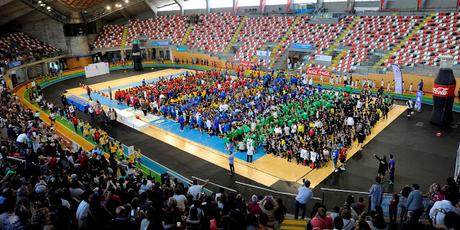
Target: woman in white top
348,222
313,156
304,155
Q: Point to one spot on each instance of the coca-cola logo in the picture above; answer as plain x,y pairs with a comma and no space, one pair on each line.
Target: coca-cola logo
314,71
441,91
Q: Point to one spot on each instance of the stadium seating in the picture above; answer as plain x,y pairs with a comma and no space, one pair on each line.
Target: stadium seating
370,35
24,48
214,31
171,27
374,34
109,37
440,36
320,35
258,32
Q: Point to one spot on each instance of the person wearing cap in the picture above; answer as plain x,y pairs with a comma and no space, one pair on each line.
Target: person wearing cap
304,195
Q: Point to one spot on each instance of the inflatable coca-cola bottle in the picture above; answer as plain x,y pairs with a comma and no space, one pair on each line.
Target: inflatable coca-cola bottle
443,94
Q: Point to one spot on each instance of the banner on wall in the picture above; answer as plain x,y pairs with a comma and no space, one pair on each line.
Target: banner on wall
418,100
398,79
96,69
321,72
323,58
303,46
159,42
181,48
263,53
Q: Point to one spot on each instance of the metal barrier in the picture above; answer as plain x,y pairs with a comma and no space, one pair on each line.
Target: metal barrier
272,191
217,185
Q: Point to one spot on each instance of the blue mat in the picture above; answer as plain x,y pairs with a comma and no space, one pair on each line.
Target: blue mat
106,101
172,126
195,135
79,103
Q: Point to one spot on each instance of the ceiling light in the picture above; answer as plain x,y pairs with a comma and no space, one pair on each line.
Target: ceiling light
48,7
126,1
118,5
108,7
40,2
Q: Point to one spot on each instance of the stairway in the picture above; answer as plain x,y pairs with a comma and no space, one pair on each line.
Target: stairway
273,55
236,34
342,35
124,37
186,35
290,224
336,60
402,42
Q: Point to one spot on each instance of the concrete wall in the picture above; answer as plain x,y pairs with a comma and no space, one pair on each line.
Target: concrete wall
335,6
78,46
441,4
47,30
403,5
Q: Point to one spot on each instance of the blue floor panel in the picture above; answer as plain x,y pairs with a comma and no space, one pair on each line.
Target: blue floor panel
194,135
202,138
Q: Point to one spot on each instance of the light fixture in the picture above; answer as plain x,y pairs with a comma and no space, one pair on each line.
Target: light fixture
118,5
48,7
126,1
108,7
40,2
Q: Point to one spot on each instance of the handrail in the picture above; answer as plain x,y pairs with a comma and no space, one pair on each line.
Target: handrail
178,176
217,185
16,159
272,191
343,190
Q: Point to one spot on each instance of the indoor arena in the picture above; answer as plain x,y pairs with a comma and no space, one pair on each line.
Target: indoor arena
230,114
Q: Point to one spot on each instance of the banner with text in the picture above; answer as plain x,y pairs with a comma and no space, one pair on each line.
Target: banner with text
323,58
418,100
398,79
303,46
315,71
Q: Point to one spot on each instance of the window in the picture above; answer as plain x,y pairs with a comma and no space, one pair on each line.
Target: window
303,1
275,2
171,7
248,3
194,4
220,3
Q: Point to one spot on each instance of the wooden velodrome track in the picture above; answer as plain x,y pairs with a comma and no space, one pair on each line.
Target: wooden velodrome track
267,170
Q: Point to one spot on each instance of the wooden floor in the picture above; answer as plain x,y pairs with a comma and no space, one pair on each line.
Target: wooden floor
266,170
128,80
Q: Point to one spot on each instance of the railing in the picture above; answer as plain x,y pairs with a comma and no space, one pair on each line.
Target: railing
212,183
272,191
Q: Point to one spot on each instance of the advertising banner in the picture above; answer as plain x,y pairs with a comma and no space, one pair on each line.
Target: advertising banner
324,58
96,69
398,79
159,42
304,46
418,100
320,72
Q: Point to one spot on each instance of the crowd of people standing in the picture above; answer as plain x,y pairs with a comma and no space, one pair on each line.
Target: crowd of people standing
283,113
